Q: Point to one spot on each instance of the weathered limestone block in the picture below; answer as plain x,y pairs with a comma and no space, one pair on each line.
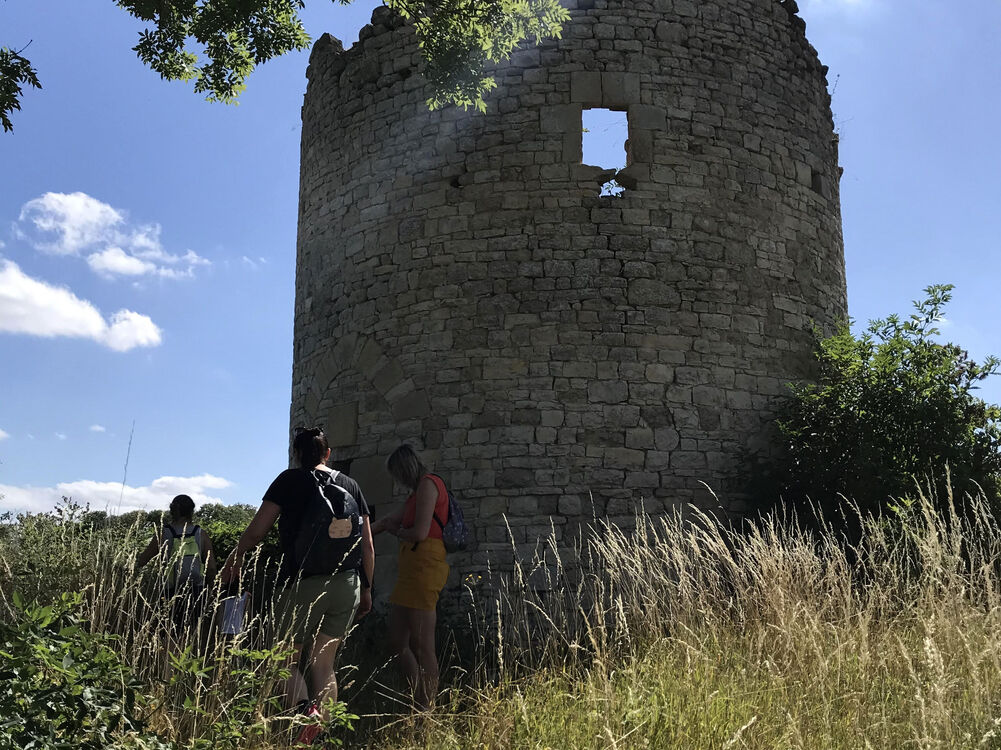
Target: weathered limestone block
412,405
585,88
560,118
609,392
341,425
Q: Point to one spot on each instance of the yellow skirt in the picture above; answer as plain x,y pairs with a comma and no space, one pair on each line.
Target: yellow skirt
422,575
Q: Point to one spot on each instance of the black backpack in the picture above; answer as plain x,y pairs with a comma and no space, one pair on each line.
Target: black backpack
330,510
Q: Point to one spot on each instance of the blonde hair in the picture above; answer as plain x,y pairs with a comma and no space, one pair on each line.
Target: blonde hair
406,467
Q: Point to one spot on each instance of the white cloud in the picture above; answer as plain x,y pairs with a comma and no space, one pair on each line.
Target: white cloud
111,497
146,240
74,224
69,223
4,435
130,329
114,260
60,436
97,428
32,307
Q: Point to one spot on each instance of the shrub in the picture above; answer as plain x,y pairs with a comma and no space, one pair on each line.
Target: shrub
891,407
227,695
43,555
62,687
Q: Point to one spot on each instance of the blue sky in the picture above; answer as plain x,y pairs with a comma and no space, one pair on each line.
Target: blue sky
148,237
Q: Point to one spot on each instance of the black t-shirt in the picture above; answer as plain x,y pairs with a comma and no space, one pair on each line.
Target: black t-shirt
290,490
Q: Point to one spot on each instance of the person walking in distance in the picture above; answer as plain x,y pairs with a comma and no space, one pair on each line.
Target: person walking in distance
422,570
188,560
327,568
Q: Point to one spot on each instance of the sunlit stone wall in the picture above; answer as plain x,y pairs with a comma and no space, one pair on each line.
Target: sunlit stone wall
461,284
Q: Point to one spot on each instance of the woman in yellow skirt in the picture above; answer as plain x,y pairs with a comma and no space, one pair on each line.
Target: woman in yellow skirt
422,571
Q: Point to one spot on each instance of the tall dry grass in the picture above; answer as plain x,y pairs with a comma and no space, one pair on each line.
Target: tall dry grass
677,632
682,632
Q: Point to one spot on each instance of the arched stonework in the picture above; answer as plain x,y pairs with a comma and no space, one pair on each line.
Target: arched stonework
364,355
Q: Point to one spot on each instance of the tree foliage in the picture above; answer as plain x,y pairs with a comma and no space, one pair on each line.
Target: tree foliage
218,43
460,37
15,73
891,407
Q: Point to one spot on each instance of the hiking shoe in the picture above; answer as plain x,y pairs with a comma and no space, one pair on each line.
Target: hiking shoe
309,733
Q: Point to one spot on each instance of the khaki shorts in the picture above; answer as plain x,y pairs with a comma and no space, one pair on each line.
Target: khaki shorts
319,603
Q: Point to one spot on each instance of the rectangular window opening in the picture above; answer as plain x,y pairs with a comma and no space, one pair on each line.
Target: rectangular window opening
604,144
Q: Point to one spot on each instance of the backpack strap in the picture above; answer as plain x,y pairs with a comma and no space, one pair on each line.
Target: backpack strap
196,532
167,537
328,478
440,484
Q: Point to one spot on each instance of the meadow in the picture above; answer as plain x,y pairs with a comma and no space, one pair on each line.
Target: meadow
677,632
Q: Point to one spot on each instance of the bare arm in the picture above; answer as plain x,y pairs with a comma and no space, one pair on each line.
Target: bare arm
390,522
256,530
368,565
150,552
427,499
208,554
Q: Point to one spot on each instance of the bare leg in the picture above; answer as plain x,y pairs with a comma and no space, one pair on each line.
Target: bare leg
323,678
422,644
399,639
295,685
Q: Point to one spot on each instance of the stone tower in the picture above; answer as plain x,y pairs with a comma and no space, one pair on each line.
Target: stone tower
462,285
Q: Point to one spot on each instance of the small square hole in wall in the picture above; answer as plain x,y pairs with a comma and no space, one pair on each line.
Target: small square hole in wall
604,136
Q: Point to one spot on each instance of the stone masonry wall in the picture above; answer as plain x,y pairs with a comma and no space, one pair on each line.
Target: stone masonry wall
556,354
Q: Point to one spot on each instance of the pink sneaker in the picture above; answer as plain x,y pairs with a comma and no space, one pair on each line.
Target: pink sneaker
310,732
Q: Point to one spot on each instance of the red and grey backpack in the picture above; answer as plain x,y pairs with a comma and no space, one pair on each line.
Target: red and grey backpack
455,531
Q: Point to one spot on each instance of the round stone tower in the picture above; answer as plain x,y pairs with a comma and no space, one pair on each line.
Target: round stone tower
557,354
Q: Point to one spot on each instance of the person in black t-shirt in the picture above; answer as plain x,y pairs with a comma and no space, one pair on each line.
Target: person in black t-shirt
317,608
